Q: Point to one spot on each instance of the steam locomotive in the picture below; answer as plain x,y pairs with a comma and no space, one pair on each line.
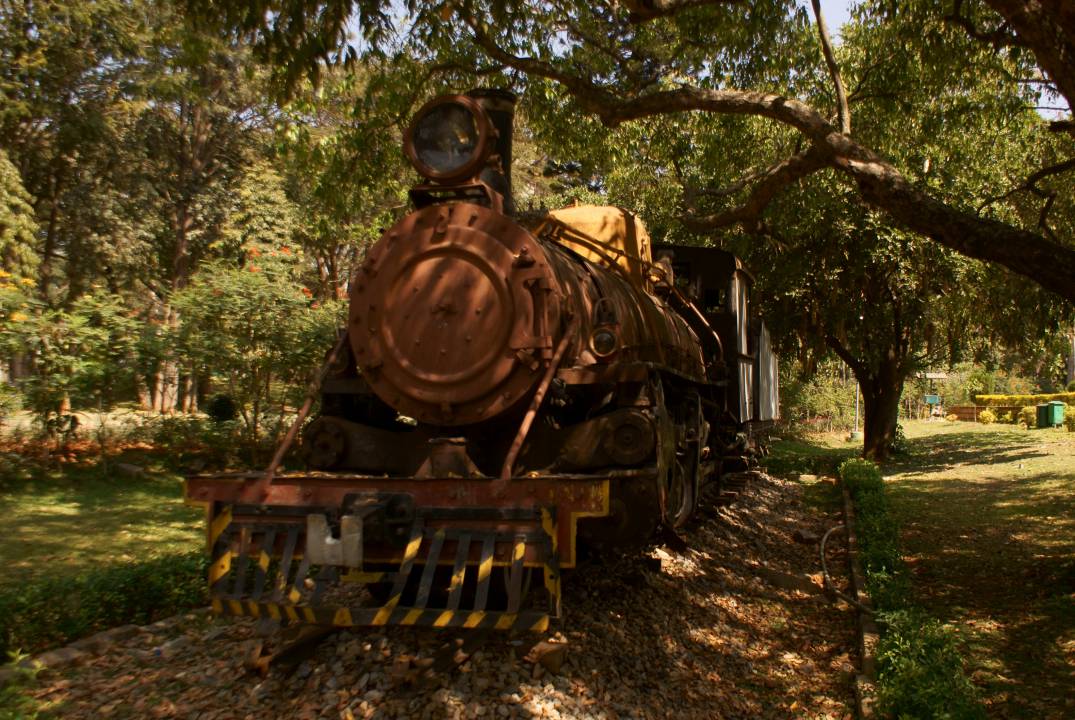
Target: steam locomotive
510,394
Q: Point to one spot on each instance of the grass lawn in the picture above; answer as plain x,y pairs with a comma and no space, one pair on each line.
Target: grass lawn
67,521
988,531
988,517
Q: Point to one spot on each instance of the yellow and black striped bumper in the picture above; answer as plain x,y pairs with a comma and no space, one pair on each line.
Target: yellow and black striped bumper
260,569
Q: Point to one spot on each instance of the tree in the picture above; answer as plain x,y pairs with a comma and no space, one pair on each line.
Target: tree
200,121
645,58
62,71
18,229
835,276
340,148
80,357
256,328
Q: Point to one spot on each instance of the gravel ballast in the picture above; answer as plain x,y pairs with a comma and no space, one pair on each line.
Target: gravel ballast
734,627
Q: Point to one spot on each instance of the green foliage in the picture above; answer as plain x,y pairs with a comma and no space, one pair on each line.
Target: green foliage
886,577
1070,387
1066,397
987,417
1069,418
82,355
10,400
15,702
1005,417
920,667
18,228
189,437
861,476
899,440
1028,416
823,400
920,670
878,533
262,215
45,613
340,146
256,327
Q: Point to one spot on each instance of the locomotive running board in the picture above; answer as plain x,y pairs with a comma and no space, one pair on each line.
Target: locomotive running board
245,580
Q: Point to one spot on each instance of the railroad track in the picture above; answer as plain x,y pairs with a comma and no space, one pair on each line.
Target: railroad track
697,631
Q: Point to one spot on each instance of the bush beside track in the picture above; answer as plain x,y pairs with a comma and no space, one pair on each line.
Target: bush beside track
45,613
920,667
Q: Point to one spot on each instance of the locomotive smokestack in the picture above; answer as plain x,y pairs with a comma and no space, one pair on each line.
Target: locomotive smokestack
499,105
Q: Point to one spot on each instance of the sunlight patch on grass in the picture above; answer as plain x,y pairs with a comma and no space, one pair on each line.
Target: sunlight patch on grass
65,523
989,517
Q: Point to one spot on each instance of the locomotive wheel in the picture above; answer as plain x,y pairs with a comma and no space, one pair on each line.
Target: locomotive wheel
684,469
325,444
679,491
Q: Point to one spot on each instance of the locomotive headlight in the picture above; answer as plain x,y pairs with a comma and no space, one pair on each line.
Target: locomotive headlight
605,342
450,139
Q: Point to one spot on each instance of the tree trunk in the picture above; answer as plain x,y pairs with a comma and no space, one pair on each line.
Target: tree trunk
1071,359
48,252
881,383
190,392
145,396
881,400
168,372
169,378
157,389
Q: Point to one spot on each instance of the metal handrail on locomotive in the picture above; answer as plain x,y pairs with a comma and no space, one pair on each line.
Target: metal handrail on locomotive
510,394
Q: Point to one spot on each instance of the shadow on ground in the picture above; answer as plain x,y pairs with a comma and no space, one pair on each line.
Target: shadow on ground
988,523
695,634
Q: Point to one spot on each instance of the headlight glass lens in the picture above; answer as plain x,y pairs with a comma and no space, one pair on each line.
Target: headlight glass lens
446,137
604,342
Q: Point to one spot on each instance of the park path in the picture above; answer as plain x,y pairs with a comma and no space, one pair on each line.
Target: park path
988,517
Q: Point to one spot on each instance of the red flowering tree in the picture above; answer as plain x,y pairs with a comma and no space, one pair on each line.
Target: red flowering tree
248,319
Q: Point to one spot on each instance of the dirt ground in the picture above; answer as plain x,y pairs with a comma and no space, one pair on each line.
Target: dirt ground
698,634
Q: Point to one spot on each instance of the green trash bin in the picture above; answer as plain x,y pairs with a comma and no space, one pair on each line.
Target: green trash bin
1043,415
1056,413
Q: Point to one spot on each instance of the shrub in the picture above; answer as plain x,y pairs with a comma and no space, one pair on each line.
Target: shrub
1005,417
189,436
899,440
15,702
987,417
10,400
54,611
1067,397
920,671
221,408
886,581
1028,416
920,668
879,536
1069,418
860,476
952,417
1071,387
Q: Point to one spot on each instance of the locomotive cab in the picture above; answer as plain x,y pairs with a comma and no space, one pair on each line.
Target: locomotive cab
722,287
